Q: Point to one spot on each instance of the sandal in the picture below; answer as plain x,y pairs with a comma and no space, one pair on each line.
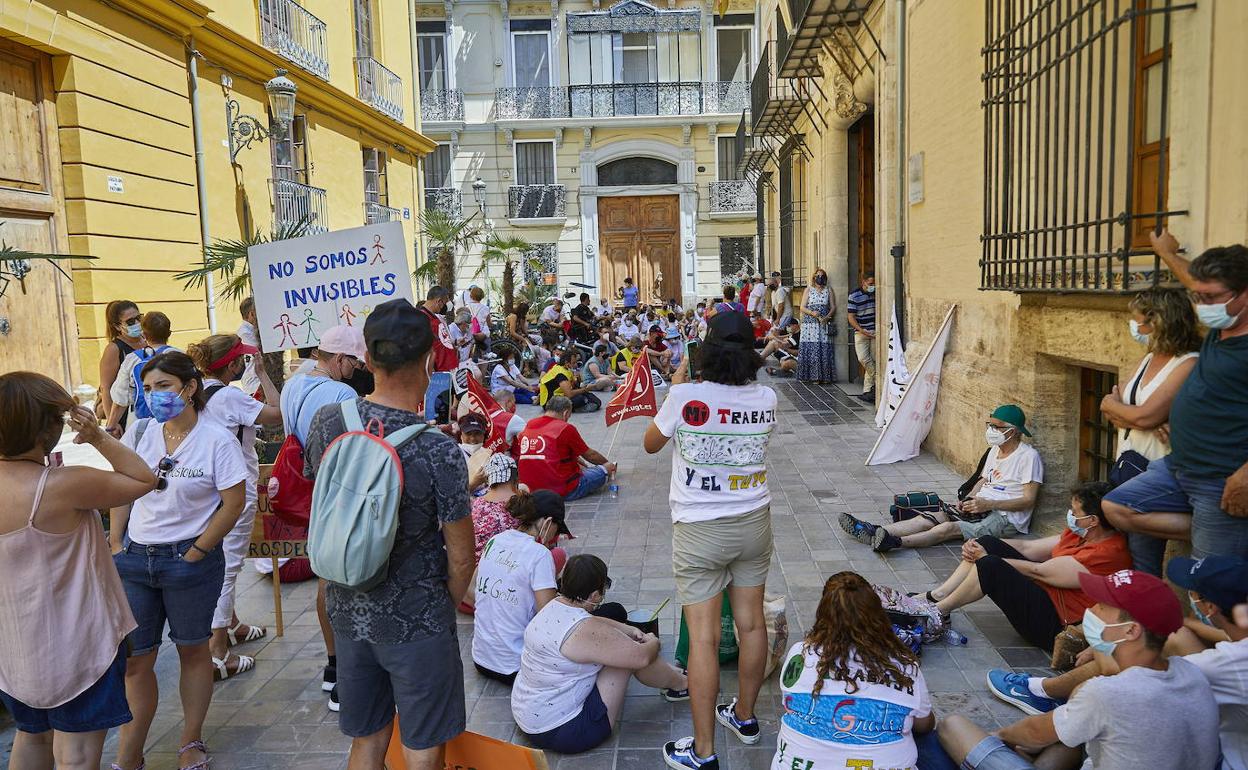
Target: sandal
196,746
253,633
222,672
115,766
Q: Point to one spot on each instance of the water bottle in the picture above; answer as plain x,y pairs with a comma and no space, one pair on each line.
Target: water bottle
953,637
614,490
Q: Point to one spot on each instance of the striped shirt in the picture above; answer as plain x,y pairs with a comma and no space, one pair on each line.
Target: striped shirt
862,305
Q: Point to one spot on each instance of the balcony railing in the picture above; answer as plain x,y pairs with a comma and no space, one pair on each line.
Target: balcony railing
536,201
375,213
726,97
733,196
774,102
294,202
531,103
441,105
448,200
290,30
379,86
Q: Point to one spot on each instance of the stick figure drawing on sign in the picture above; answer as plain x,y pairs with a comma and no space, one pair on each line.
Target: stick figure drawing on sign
365,311
308,321
347,314
286,325
377,250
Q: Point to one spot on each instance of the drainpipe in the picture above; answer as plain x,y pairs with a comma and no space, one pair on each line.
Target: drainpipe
210,289
898,250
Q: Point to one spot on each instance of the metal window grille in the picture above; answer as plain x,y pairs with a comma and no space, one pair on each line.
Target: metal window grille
736,258
1064,187
1098,439
541,271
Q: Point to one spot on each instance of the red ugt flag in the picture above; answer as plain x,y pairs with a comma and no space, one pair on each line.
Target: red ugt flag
476,399
636,397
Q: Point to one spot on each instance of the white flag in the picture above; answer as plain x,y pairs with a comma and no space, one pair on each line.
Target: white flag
896,376
904,434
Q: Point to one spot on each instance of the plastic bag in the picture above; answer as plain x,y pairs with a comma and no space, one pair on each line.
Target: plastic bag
728,649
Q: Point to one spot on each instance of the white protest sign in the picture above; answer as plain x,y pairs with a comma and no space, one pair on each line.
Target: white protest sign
303,286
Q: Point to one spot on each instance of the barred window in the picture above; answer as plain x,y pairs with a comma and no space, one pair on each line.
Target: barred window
736,258
1098,439
541,272
1075,144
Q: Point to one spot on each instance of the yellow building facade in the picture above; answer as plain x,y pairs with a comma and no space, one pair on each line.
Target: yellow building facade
101,155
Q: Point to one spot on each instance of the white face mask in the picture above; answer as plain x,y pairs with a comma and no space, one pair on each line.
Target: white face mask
1138,335
1216,316
995,436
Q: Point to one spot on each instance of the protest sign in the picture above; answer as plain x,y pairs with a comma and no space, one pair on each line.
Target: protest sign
303,286
904,434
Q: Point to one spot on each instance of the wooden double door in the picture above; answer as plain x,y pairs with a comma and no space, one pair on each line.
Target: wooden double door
639,237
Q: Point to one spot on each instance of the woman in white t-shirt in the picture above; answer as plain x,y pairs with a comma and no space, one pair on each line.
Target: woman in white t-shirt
1162,319
628,327
506,376
852,695
720,427
576,666
167,548
223,358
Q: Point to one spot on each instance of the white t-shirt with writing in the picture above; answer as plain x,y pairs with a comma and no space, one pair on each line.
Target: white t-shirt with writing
207,461
513,568
870,727
719,435
234,409
1004,478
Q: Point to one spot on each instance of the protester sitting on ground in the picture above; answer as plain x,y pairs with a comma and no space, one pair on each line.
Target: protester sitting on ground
597,374
490,514
628,327
622,361
62,671
223,358
506,376
125,335
551,449
473,428
1158,713
127,393
721,531
561,379
515,579
1163,320
761,329
1036,582
167,548
1206,472
578,660
1000,504
835,682
396,642
1214,585
783,342
659,353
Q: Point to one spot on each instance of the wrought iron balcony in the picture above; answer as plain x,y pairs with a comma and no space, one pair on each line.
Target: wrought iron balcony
536,201
609,100
379,87
441,105
375,213
733,196
835,27
448,200
774,103
294,202
725,97
289,29
531,103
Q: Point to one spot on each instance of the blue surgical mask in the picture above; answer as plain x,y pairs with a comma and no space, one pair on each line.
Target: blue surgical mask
1071,521
134,330
1094,627
1215,316
1202,617
1138,335
871,289
165,404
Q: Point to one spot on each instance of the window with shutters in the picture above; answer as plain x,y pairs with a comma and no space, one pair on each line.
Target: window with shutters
729,158
290,152
535,163
530,51
431,55
376,189
438,167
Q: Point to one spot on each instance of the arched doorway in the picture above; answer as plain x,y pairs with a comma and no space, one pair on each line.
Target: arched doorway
639,235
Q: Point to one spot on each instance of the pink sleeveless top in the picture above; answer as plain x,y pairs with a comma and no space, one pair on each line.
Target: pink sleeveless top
63,612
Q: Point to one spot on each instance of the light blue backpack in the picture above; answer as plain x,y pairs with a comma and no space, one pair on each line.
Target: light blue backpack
355,502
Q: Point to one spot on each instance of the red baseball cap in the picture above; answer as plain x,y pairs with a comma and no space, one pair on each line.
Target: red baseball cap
1149,600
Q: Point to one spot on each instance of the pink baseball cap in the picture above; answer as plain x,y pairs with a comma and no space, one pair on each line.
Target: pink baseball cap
347,340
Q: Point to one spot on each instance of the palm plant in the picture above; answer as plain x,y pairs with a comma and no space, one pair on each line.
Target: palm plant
447,237
508,250
15,263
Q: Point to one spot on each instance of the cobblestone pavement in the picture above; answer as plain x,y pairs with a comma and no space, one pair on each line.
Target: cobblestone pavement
276,717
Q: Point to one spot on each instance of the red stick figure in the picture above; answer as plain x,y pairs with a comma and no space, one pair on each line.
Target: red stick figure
285,324
347,314
377,249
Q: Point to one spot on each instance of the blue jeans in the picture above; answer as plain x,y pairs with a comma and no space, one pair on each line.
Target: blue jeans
992,754
592,479
162,586
439,383
1162,490
99,707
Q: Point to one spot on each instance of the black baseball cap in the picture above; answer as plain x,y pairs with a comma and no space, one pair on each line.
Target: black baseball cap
730,329
473,423
1222,580
407,329
550,505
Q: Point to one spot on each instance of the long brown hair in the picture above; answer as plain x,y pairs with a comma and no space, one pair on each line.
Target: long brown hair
850,624
112,316
1169,311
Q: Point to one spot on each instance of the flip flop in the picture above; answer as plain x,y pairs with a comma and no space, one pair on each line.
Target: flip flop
140,766
253,633
196,746
222,671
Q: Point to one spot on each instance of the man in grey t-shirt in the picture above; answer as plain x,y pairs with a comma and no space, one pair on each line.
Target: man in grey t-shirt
1156,713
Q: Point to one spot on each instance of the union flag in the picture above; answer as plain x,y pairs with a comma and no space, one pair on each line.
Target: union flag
474,398
636,397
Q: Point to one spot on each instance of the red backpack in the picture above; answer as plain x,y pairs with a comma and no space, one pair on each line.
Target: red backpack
290,494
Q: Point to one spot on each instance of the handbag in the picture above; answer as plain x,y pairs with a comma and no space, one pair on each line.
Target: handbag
1129,463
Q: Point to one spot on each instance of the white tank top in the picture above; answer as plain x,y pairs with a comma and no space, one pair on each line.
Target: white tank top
550,689
1147,442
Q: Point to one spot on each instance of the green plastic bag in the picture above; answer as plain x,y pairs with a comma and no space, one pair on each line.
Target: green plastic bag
728,649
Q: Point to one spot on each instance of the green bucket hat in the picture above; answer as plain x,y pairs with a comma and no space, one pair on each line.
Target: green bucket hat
1013,415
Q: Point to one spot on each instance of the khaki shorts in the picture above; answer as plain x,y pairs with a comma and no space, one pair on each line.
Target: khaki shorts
994,524
708,556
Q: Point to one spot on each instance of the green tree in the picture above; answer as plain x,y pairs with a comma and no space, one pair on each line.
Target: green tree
510,251
15,263
447,237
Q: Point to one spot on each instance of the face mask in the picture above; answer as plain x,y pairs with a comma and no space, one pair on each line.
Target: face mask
995,437
165,404
1208,621
871,289
1093,627
1074,527
1215,316
470,448
133,330
1138,335
820,280
362,382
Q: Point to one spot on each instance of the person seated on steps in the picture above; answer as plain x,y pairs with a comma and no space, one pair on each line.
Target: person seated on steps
1036,582
999,505
1157,713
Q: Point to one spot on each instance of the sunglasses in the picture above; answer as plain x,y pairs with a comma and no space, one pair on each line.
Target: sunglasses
162,473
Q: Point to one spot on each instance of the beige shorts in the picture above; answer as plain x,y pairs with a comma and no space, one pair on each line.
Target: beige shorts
708,556
995,524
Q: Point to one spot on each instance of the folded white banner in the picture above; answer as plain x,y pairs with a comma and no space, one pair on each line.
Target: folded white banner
896,376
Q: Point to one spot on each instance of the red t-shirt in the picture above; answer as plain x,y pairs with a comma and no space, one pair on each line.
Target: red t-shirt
1102,558
761,327
445,358
549,448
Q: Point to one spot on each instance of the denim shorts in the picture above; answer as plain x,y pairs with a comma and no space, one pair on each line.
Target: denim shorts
99,707
992,754
592,479
163,587
585,731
